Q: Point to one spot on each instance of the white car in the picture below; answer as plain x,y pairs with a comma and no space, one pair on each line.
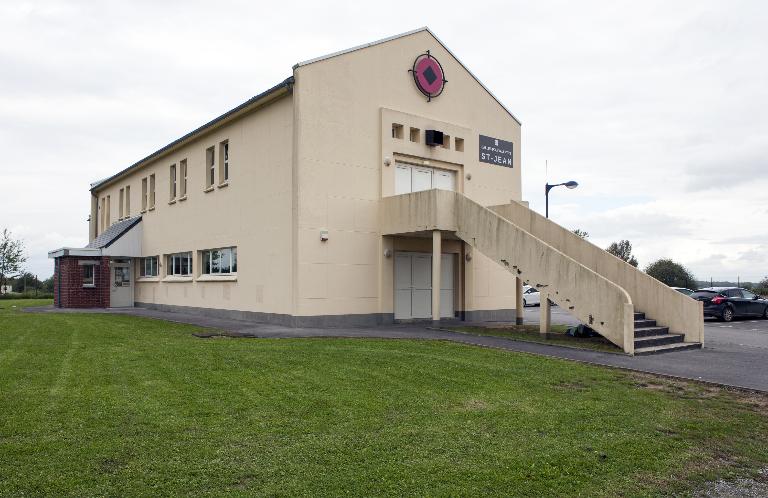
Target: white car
531,296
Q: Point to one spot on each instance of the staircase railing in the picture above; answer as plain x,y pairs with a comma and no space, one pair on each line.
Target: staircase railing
665,305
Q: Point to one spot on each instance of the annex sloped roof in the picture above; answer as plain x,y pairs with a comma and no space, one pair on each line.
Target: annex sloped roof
113,233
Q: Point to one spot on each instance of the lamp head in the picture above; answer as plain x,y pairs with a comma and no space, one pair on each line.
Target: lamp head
571,184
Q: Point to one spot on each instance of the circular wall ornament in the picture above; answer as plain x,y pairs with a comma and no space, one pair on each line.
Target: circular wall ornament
428,75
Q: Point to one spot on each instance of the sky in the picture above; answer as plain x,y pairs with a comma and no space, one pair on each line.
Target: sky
658,109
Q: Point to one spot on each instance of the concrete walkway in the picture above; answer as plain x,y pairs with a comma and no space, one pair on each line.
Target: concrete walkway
728,364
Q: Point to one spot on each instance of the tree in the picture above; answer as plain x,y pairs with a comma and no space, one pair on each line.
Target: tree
11,256
581,233
47,285
25,281
623,250
673,274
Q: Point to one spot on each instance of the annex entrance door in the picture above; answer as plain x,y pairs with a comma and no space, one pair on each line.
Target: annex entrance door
121,290
413,286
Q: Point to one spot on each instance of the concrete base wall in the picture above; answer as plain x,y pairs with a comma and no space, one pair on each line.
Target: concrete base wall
320,321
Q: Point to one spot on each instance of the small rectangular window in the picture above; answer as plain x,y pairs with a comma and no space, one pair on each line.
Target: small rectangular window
183,176
459,144
446,141
89,279
127,201
148,267
397,130
172,182
415,135
144,193
180,264
151,191
210,167
109,218
120,206
219,261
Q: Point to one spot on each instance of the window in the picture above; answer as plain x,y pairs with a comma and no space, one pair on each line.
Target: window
220,261
120,206
410,178
446,141
88,276
148,267
180,264
210,168
127,201
224,162
732,293
144,192
415,134
103,214
108,213
152,191
459,144
397,130
183,177
173,182
747,295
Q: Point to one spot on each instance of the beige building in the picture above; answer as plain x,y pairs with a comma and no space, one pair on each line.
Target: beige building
344,195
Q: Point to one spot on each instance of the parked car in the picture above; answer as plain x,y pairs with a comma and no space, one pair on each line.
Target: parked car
531,296
727,303
683,290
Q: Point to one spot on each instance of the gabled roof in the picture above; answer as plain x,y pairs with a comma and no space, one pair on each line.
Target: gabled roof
113,233
402,35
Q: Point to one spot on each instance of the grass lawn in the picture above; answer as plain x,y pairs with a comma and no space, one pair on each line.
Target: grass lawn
530,333
118,405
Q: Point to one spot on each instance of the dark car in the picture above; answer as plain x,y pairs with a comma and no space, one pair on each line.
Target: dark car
727,303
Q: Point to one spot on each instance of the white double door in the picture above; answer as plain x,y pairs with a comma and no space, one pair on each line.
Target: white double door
413,285
409,178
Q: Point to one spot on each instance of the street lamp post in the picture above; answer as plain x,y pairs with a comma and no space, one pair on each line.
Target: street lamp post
571,184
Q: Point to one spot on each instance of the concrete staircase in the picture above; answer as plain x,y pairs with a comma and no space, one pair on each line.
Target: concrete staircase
653,339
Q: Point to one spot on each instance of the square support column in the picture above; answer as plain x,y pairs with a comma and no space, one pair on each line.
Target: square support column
519,307
436,271
546,316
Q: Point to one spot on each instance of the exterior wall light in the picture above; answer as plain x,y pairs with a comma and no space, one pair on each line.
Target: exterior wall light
387,253
469,176
468,257
323,235
387,161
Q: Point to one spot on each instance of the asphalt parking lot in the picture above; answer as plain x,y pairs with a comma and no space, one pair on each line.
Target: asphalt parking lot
741,332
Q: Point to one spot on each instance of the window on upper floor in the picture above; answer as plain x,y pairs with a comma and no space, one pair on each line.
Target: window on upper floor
172,182
152,191
224,162
144,192
120,205
179,264
221,261
148,266
397,130
127,201
210,167
109,217
183,178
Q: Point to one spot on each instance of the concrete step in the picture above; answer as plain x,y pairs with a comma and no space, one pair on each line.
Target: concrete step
644,323
639,315
680,346
649,331
658,340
